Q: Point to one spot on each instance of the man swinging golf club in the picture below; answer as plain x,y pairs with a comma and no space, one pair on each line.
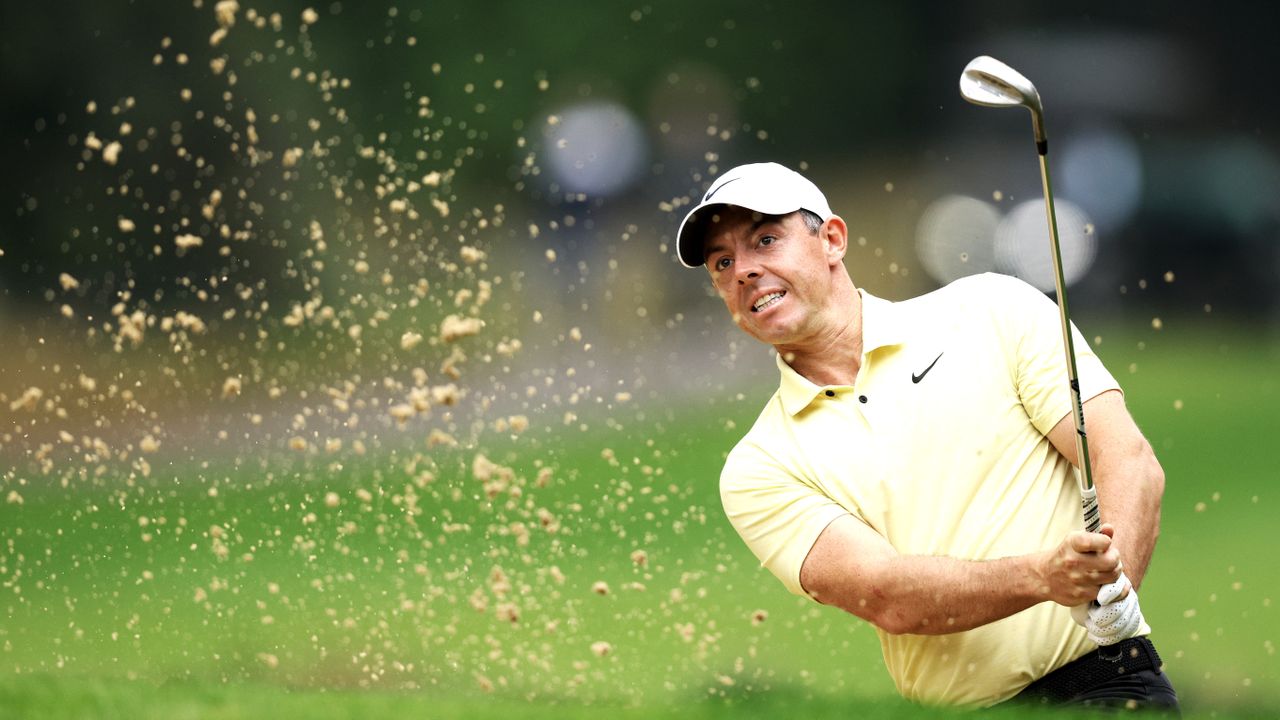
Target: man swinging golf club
915,465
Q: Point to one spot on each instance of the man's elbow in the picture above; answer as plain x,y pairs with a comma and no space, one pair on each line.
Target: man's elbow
1156,495
896,623
1150,490
1157,482
1137,463
887,617
1154,476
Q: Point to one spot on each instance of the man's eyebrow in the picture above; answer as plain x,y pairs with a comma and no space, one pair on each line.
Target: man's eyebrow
709,247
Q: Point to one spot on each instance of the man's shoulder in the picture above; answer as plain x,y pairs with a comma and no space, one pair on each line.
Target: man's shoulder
765,441
765,428
976,299
983,288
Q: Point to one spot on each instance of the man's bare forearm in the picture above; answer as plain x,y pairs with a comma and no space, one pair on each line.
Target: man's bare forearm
927,595
855,569
1130,485
1127,475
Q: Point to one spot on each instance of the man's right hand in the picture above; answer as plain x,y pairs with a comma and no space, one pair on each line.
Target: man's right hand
1072,573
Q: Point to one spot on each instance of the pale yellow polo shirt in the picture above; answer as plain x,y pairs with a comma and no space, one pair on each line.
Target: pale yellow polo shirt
940,447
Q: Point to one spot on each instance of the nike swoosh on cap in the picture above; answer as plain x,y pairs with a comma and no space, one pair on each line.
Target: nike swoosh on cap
716,190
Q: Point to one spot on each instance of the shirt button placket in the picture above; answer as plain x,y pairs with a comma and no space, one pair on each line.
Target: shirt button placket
864,406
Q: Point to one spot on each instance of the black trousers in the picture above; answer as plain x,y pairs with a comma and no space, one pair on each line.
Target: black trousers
1124,676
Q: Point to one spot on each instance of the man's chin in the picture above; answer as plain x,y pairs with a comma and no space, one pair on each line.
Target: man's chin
768,336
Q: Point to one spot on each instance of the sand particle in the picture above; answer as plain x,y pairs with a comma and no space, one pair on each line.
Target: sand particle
111,153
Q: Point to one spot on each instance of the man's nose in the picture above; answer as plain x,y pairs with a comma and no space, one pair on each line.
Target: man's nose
746,270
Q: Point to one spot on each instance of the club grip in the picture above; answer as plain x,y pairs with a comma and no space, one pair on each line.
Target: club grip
1089,504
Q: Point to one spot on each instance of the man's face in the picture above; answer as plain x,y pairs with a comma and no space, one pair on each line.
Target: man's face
773,273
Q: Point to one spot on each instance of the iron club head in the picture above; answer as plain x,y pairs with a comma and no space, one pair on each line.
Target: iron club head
987,81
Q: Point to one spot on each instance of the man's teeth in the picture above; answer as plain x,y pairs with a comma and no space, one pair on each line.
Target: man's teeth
766,301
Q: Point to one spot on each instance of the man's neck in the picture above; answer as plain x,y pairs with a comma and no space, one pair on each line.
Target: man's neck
832,358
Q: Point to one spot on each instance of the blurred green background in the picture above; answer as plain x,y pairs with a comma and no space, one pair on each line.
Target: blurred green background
243,446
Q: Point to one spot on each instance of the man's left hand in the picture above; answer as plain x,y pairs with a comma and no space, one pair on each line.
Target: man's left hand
1114,616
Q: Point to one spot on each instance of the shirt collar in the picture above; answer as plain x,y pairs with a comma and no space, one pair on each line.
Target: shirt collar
882,326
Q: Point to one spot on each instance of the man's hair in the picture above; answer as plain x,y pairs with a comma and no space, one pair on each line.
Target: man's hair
811,220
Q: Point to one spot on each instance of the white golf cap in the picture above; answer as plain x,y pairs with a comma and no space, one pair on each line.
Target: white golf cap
766,188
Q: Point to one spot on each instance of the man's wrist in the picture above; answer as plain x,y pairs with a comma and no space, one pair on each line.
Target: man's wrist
1035,586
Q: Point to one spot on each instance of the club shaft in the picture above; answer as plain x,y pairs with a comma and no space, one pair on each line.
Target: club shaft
1088,494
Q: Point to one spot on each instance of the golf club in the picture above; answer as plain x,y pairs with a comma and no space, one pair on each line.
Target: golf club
987,81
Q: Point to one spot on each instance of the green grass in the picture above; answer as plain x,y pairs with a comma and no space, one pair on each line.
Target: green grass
116,602
56,698
1207,402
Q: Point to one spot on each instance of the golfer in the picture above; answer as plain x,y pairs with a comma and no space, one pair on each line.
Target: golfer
915,465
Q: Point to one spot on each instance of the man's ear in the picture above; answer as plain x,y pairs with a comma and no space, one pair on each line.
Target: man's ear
835,239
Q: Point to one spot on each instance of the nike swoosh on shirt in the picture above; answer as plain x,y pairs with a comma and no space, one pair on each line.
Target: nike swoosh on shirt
917,378
713,192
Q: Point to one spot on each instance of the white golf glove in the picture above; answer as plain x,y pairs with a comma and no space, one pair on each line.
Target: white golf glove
1108,620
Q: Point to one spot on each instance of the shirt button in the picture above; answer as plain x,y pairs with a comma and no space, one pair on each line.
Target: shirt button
862,398
831,393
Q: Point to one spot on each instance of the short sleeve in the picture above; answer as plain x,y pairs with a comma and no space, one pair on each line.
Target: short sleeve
778,515
1032,333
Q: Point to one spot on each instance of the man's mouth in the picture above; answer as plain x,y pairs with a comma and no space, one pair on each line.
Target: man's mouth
767,300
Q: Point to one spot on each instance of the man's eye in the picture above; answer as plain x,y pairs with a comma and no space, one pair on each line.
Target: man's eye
767,240
722,264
